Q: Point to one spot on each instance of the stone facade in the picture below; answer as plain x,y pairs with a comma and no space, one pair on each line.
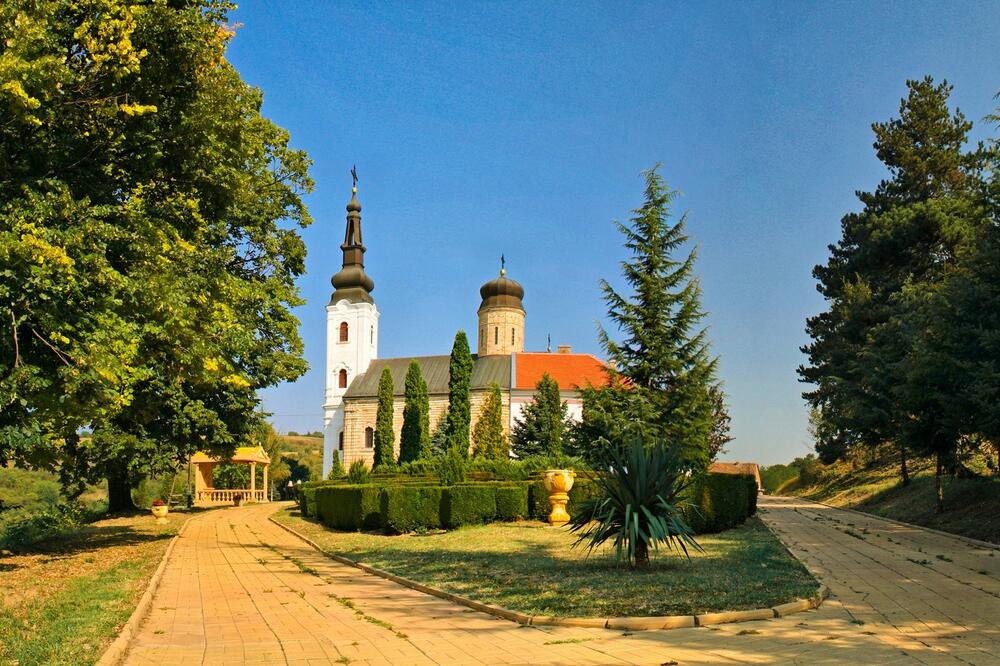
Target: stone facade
501,330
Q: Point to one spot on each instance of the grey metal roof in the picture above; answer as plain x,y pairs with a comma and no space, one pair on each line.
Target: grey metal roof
486,370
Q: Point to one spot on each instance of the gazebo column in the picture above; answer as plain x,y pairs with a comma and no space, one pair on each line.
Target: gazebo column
253,479
266,487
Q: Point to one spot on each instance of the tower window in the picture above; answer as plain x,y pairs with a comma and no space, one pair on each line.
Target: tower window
496,335
343,331
340,443
369,438
511,336
371,335
342,383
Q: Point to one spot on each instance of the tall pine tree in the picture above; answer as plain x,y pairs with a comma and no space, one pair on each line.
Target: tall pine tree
385,439
459,415
488,437
539,429
662,369
415,438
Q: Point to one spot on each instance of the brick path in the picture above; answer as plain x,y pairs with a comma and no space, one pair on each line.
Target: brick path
240,590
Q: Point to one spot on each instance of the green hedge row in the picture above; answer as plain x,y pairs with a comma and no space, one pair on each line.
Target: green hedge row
717,502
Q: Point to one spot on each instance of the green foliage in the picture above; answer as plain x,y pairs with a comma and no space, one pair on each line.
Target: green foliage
337,470
350,507
415,438
772,477
307,501
149,240
488,437
385,438
459,416
408,508
512,501
539,429
358,473
48,522
901,353
451,468
468,505
635,507
664,358
717,502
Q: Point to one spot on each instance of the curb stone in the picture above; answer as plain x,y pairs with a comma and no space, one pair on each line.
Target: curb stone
617,623
116,652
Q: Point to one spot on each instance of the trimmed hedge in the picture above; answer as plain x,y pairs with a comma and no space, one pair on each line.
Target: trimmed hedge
406,508
468,505
512,502
350,507
717,502
307,502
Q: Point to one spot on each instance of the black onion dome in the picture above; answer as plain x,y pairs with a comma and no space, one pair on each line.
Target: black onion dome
351,283
502,292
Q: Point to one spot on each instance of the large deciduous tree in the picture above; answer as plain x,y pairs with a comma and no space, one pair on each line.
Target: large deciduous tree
662,372
459,416
148,240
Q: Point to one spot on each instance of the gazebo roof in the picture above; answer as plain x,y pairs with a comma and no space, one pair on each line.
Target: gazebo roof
242,454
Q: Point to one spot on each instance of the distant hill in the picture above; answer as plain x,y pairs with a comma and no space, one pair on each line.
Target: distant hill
306,451
872,484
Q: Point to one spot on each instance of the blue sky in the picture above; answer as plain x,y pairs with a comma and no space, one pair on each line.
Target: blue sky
522,128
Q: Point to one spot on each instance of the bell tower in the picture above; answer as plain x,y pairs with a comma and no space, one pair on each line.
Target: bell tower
351,330
501,315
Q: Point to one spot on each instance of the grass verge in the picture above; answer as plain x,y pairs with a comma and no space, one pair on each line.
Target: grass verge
533,569
64,600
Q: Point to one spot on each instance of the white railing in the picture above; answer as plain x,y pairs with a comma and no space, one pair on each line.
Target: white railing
213,495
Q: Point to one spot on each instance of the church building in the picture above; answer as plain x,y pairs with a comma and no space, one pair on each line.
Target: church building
353,367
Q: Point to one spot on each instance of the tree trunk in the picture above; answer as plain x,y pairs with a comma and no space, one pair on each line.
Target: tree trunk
641,554
938,488
902,465
119,490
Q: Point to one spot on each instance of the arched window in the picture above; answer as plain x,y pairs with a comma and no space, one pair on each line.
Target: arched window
369,438
371,335
496,335
512,337
343,331
343,379
340,444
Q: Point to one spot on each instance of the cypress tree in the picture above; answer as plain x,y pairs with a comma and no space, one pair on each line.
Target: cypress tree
488,438
539,429
459,381
384,436
415,438
664,357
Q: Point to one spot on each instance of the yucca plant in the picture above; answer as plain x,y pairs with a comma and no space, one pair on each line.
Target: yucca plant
636,504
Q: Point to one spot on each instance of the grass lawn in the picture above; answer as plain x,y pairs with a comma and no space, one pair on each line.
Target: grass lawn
531,568
64,600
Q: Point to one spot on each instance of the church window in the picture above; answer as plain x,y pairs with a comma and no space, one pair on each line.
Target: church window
343,379
496,335
343,331
511,336
369,438
371,335
340,444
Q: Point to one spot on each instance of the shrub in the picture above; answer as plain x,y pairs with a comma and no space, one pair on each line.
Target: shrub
752,492
337,471
512,501
358,473
307,501
717,502
44,524
468,505
351,507
538,500
583,489
451,468
411,507
635,505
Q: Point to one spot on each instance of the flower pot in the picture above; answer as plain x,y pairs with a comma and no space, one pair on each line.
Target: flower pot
558,483
238,500
160,513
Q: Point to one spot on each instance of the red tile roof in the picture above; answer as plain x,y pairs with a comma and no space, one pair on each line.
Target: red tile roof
569,370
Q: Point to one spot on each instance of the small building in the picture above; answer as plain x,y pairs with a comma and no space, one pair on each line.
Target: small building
353,368
749,469
205,492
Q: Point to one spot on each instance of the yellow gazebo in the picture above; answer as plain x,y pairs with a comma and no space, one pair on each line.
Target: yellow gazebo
205,493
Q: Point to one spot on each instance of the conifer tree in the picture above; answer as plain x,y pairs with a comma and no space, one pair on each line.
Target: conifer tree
539,429
384,436
664,357
415,438
488,437
459,408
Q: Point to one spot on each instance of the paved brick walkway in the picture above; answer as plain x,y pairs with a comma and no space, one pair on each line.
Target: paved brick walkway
240,590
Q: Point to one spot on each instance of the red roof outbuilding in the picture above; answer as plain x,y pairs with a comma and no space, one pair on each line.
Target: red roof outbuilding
571,371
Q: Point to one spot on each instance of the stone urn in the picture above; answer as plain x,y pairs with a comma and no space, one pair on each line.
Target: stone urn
557,484
160,511
238,499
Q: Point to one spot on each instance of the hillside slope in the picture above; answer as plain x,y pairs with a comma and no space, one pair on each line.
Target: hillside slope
972,505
